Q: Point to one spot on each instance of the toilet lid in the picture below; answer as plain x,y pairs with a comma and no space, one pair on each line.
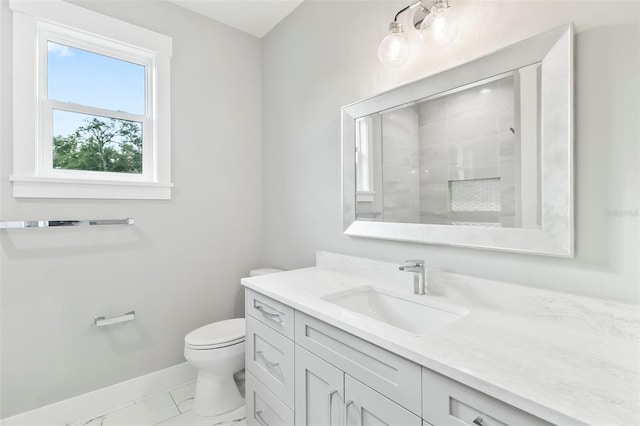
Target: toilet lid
219,333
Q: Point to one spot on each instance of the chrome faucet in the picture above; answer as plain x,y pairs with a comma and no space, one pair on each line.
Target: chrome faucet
417,267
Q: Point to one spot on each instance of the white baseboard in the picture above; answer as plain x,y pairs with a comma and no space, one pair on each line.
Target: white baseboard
63,412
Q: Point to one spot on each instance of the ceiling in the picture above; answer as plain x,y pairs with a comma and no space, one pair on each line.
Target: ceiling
256,17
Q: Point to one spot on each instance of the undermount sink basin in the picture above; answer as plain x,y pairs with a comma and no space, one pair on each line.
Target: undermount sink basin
415,314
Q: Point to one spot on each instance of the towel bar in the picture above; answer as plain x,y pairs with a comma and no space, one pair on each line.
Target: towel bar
102,320
53,223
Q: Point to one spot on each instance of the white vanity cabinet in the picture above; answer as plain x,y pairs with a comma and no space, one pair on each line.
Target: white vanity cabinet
366,407
450,403
270,358
263,407
275,315
325,395
269,361
303,371
387,373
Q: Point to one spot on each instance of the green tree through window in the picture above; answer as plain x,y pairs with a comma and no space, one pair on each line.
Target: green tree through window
101,144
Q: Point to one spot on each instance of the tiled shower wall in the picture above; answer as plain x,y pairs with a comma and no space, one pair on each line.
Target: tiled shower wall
467,136
400,169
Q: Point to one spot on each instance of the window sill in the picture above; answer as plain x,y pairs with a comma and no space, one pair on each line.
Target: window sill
52,187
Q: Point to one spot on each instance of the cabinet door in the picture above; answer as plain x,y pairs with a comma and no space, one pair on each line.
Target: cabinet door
393,376
319,391
366,407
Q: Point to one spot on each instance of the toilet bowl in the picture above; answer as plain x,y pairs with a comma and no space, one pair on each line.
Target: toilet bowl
217,351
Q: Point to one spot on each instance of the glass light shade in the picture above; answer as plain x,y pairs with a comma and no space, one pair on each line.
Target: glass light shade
394,49
439,26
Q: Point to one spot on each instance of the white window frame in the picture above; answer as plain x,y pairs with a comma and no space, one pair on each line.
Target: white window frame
92,44
365,192
35,23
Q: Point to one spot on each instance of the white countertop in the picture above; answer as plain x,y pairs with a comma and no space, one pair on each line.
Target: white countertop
567,359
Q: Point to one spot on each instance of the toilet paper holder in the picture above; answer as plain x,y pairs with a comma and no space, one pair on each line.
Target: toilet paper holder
102,320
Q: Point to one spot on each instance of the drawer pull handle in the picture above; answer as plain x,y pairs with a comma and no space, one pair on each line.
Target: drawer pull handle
346,410
260,418
331,407
268,363
478,421
270,315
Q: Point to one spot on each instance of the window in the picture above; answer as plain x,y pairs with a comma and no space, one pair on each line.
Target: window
91,105
94,127
364,159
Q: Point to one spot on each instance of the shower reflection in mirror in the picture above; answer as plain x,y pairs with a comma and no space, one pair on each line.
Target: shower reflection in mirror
468,156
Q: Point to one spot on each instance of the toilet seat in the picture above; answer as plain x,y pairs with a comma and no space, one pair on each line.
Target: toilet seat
214,346
217,335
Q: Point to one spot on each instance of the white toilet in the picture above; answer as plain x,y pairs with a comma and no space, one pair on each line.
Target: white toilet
217,351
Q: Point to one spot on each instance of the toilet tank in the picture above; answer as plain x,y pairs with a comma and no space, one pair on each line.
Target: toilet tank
263,271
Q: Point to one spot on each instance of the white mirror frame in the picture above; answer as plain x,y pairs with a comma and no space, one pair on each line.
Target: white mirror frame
554,49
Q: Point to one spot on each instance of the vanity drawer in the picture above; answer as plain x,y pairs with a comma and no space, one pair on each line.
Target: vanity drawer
263,407
449,403
269,357
393,376
274,314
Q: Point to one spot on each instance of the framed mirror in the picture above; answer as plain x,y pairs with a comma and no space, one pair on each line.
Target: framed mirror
480,155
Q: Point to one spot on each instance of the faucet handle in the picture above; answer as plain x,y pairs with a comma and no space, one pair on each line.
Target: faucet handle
416,262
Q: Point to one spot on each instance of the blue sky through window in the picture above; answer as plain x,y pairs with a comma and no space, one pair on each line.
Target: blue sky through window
87,78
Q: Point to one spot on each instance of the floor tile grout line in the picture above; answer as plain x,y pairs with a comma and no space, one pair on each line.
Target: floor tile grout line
174,402
182,402
168,392
179,404
169,418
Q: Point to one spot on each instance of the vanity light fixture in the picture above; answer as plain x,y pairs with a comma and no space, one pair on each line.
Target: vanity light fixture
395,48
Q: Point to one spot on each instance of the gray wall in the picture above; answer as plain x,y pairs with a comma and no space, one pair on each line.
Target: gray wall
179,266
323,56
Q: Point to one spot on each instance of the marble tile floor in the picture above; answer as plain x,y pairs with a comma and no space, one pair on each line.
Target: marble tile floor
167,408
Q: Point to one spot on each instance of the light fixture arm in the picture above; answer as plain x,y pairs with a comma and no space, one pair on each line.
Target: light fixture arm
395,48
421,14
404,9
